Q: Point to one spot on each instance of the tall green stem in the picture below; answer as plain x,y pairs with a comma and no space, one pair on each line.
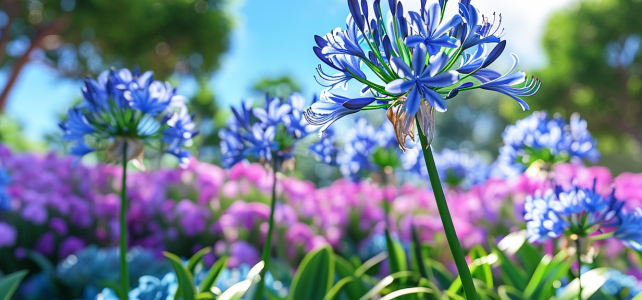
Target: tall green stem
446,220
124,267
265,255
579,266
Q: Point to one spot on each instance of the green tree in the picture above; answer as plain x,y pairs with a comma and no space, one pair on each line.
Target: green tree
78,38
280,87
578,77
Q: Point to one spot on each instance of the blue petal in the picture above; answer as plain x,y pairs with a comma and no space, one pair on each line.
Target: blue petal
441,79
400,67
399,86
419,59
413,101
435,100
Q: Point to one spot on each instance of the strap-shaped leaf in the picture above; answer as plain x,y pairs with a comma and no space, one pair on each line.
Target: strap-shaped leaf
9,284
196,258
185,279
510,272
398,293
213,274
354,288
315,275
396,256
510,293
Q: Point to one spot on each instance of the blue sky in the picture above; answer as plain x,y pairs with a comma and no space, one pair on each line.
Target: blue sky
273,38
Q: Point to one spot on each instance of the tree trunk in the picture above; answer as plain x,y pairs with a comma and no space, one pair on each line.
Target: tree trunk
56,27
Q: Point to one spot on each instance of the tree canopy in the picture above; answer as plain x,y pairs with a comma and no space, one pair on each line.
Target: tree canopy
81,38
579,76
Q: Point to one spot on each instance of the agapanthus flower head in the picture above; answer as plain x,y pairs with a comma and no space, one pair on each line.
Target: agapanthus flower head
325,150
461,169
368,149
551,140
622,54
264,133
128,109
575,212
413,57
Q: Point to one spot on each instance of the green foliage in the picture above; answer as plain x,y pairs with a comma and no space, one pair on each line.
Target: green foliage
164,36
187,289
9,284
579,79
280,87
315,275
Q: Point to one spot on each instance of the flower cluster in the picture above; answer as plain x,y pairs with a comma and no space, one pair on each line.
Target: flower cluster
579,212
418,58
264,132
128,110
456,169
538,138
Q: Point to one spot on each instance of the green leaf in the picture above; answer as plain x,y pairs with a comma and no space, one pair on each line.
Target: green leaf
480,257
238,290
591,282
196,258
442,275
370,263
418,255
510,293
550,270
354,288
9,284
396,256
185,279
510,272
213,274
336,289
315,275
407,291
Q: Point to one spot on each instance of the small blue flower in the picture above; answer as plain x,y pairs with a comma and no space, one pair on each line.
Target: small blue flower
459,169
630,229
420,78
476,30
542,220
360,145
261,142
274,113
325,149
332,108
431,32
294,121
504,84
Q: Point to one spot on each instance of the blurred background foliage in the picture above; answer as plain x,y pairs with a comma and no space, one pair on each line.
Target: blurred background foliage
183,41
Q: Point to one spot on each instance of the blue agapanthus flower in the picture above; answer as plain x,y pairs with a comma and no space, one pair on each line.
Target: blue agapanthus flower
542,220
460,169
622,54
413,61
630,229
128,109
617,282
264,133
552,140
325,150
149,288
578,211
5,198
456,169
360,145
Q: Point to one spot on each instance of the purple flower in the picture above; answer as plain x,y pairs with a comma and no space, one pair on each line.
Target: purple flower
35,213
46,244
242,253
8,235
71,245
